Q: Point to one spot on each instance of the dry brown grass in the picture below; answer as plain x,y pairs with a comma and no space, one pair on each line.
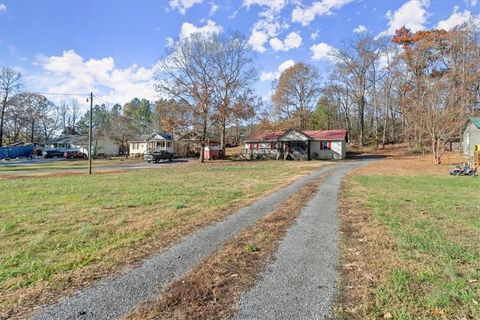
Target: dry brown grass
413,165
211,289
366,250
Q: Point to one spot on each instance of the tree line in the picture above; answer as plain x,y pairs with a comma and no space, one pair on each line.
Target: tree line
417,87
205,81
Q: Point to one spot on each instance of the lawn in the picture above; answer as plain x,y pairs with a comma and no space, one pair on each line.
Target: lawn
60,165
415,252
61,232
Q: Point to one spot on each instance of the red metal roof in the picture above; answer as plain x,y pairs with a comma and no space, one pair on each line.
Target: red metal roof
314,134
327,134
264,136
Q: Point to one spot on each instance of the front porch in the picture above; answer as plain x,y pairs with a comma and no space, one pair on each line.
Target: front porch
158,145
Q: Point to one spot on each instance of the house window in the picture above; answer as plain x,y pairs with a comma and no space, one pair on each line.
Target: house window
169,144
325,145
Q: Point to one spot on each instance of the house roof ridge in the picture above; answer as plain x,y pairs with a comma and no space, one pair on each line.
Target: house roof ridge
475,121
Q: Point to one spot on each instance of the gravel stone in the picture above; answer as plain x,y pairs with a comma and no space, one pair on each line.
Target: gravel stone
116,295
300,282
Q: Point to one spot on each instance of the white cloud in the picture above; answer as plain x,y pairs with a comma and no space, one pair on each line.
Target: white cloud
188,29
3,8
360,29
276,44
183,5
285,65
314,35
270,22
473,3
321,51
292,41
213,8
412,14
257,40
269,26
170,42
71,73
276,5
456,19
318,8
269,76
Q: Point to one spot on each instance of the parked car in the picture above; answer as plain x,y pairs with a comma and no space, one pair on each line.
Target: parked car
53,154
74,155
158,155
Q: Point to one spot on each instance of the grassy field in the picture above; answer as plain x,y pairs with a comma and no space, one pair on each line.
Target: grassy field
414,252
62,232
61,165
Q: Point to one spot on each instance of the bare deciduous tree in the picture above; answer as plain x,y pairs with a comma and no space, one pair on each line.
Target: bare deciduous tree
296,93
355,62
233,62
437,91
187,74
10,84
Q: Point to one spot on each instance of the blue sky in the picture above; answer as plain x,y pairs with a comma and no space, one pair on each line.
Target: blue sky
112,46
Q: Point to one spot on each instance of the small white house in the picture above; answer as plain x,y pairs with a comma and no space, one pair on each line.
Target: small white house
296,144
159,140
471,136
102,145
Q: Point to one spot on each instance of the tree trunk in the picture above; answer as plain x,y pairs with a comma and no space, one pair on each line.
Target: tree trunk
361,120
204,138
222,135
436,149
2,117
385,128
32,133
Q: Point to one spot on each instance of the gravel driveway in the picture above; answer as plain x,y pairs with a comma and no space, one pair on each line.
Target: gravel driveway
301,282
113,297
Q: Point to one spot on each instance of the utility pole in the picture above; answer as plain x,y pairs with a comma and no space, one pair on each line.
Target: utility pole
90,135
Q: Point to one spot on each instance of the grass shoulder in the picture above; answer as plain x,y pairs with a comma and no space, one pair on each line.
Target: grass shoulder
411,243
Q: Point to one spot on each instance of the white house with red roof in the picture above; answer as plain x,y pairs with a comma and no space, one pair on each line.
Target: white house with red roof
296,144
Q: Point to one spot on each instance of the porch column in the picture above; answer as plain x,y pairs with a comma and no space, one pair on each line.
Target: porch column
308,148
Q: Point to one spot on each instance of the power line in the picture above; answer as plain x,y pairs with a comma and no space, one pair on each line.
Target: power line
57,94
104,101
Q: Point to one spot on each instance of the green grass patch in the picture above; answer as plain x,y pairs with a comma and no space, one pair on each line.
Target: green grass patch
435,223
53,225
59,165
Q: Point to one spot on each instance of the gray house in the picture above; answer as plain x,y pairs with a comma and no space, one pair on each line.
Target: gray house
471,136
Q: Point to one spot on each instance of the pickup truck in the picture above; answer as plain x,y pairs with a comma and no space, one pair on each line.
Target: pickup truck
157,155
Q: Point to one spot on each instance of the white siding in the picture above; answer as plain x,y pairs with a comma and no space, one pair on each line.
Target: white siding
337,151
293,136
471,137
137,148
